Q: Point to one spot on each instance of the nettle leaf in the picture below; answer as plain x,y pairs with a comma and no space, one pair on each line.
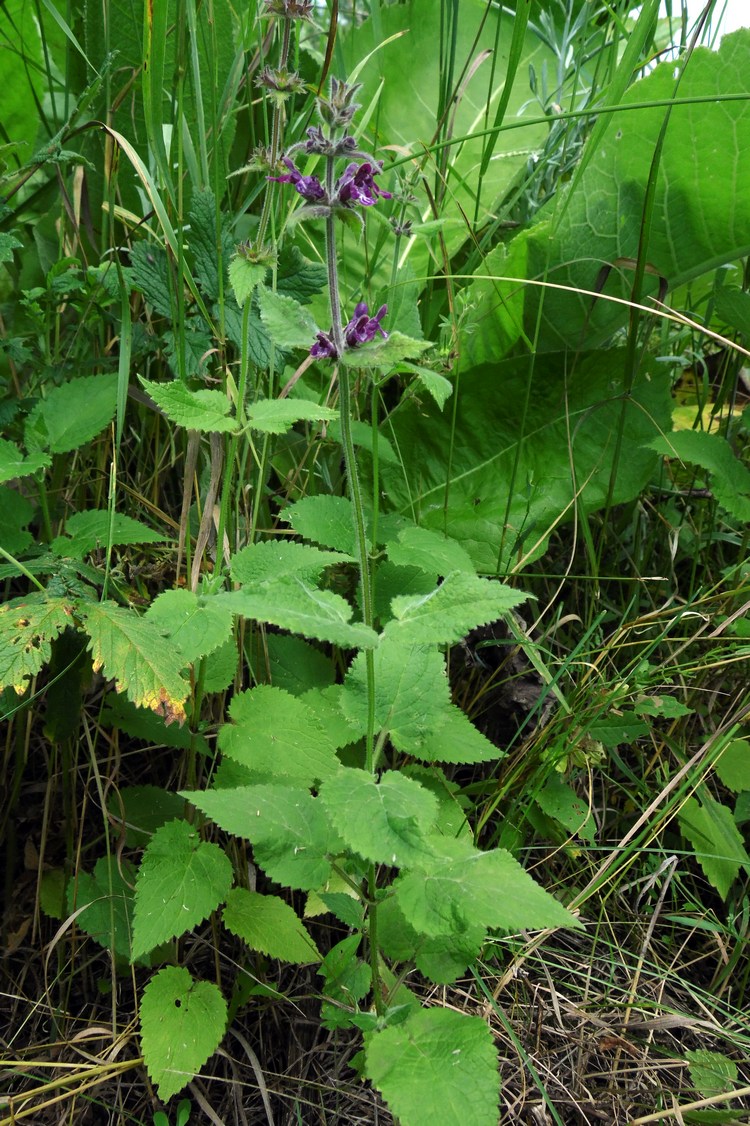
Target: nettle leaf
182,1023
273,560
730,478
203,410
27,628
383,820
432,552
733,766
8,243
16,513
441,958
296,665
412,693
150,273
385,353
14,463
195,623
457,740
560,802
325,520
463,887
712,1073
276,733
109,892
289,830
297,277
277,416
72,414
362,438
86,531
461,603
287,323
435,384
210,242
437,1066
188,350
713,833
181,880
302,608
268,924
141,810
131,652
244,276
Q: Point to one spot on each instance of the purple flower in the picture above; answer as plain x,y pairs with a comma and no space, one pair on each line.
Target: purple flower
324,347
309,187
357,185
362,328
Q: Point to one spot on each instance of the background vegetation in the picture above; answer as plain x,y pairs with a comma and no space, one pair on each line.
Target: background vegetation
472,599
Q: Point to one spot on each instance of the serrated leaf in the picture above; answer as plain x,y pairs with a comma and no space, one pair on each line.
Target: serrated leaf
718,844
148,727
560,802
109,891
297,277
72,414
141,810
433,382
302,608
733,766
730,478
277,416
181,880
274,733
182,1023
203,410
188,350
287,323
439,1066
711,1073
463,887
432,552
385,353
326,520
151,275
296,665
8,243
461,603
210,245
27,628
383,820
196,624
456,740
86,531
273,560
665,707
244,276
268,924
287,827
14,463
131,652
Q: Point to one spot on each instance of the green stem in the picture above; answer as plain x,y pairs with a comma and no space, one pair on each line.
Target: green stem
275,135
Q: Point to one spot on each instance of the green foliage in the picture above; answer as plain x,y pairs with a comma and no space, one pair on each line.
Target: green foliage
266,923
95,528
72,414
718,844
195,410
108,891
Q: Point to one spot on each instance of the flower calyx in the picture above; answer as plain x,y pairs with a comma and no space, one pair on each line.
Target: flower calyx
339,109
280,83
290,9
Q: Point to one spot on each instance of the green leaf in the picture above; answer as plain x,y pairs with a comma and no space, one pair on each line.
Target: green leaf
221,667
131,652
662,707
277,416
462,887
72,414
148,727
456,740
287,323
274,733
266,923
288,829
13,463
385,353
302,608
441,958
211,245
733,766
182,1023
385,820
27,628
141,810
439,1066
432,552
461,603
86,531
297,277
194,623
711,1073
109,891
730,479
296,665
718,844
244,276
272,560
151,275
434,384
203,410
560,802
8,243
181,880
326,520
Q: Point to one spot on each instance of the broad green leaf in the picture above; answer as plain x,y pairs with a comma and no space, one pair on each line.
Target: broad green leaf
730,478
268,924
456,739
88,530
385,353
287,323
151,275
27,627
297,277
434,384
662,707
131,652
296,665
8,243
149,727
362,437
461,603
16,513
274,733
441,958
273,560
326,520
194,623
439,1066
733,766
718,844
141,810
711,1073
181,880
733,306
109,891
301,608
560,802
385,820
277,416
517,473
392,581
209,241
244,276
220,667
433,552
412,696
182,1023
14,463
462,887
288,829
203,410
72,414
